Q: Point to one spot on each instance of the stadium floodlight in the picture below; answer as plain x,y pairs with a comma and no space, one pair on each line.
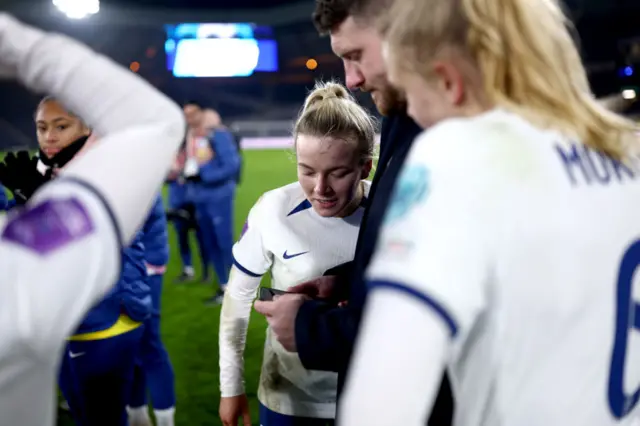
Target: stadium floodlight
629,94
77,9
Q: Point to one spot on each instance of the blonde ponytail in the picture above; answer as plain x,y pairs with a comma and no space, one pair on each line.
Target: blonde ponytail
331,111
325,92
527,58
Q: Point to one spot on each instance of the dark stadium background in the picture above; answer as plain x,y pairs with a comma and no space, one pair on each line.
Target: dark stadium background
131,30
261,105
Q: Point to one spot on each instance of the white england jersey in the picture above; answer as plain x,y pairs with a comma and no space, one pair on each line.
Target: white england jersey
525,244
286,236
58,257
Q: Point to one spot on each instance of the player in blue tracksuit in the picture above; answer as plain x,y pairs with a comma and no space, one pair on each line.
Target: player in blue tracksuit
180,203
153,370
97,368
213,192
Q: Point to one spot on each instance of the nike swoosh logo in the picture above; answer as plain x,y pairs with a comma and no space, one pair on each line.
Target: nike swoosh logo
291,256
75,355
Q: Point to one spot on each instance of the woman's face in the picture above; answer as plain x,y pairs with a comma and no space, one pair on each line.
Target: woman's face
329,171
443,93
56,128
425,103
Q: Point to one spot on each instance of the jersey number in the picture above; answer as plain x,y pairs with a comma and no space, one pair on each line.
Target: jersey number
627,321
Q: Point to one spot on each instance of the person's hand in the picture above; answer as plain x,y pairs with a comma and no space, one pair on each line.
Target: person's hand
19,174
178,214
235,407
281,315
191,168
318,288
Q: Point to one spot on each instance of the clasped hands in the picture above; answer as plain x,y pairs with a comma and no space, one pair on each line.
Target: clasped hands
281,312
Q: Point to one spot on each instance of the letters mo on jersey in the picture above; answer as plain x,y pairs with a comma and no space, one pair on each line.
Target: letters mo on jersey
586,166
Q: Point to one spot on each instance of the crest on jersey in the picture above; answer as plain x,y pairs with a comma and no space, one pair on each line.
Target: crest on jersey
411,188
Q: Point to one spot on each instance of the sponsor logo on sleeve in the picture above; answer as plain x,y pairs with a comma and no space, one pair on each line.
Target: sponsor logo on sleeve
49,225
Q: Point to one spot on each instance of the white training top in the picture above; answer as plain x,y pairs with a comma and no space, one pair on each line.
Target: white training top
510,253
45,290
286,236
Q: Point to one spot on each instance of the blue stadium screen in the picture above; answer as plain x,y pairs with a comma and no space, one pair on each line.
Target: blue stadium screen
220,50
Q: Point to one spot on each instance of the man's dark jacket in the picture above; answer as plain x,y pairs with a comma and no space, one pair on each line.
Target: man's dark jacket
325,333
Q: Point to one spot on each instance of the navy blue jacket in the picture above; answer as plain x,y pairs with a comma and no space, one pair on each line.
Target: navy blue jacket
325,333
217,177
155,235
177,197
225,163
131,294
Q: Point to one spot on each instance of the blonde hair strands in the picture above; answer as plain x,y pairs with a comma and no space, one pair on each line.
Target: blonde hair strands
331,111
528,61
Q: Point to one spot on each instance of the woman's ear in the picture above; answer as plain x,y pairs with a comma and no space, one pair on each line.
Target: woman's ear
366,170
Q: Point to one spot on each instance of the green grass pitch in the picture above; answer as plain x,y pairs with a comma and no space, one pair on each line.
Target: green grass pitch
190,329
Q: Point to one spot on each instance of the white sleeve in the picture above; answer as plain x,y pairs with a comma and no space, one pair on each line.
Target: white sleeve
141,129
58,257
234,320
409,388
249,253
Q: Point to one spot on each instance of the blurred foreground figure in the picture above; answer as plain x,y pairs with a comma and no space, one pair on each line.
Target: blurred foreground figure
90,212
511,242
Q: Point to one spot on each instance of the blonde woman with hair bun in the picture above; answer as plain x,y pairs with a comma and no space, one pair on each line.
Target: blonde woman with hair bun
511,245
297,232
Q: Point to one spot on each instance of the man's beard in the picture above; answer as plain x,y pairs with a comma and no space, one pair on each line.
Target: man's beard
390,101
